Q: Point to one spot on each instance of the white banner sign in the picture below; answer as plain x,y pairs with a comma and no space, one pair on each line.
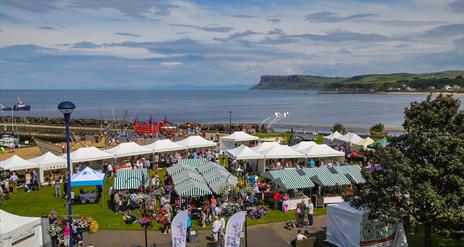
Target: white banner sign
179,229
234,228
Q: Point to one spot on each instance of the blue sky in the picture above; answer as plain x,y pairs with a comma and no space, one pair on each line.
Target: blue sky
119,44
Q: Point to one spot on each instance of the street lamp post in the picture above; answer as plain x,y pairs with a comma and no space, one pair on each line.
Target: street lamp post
230,122
67,107
143,182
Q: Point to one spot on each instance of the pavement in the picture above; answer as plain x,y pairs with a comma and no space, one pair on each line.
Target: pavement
265,235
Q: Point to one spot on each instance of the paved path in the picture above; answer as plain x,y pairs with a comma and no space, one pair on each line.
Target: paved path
268,235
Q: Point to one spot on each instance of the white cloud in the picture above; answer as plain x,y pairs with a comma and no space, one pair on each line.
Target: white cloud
171,63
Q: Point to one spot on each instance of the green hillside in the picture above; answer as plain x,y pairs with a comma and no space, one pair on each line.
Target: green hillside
363,83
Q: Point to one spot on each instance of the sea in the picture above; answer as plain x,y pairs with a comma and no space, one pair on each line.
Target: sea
308,110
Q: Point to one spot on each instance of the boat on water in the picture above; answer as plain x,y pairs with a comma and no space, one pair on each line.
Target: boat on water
5,108
20,106
9,141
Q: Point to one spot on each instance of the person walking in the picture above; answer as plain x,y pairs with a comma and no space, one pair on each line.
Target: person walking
6,191
67,234
58,187
35,180
117,202
310,212
14,182
216,229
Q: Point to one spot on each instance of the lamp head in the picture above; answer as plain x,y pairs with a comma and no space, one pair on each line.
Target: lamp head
66,107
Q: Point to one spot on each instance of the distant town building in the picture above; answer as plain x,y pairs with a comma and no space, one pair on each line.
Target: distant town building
456,87
447,87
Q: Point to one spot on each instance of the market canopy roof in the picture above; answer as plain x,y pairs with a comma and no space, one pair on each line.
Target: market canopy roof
178,168
187,175
321,151
352,172
192,162
324,177
87,154
332,136
365,142
130,179
11,224
303,145
162,146
281,152
15,163
350,138
87,177
240,136
264,146
243,152
196,142
289,179
128,149
192,188
50,161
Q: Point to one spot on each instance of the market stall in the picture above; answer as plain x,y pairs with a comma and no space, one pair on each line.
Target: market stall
164,146
127,179
243,152
275,151
194,142
19,231
88,177
322,151
128,149
349,139
235,139
16,163
330,138
88,154
292,182
350,227
49,162
362,145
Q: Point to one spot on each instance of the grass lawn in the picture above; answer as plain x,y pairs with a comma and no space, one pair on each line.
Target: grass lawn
437,240
285,136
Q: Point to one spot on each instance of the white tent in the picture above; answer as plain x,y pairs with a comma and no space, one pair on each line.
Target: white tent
244,153
328,139
363,144
349,138
264,146
128,149
162,146
15,163
303,145
348,226
240,136
49,161
196,142
89,154
281,152
19,231
321,151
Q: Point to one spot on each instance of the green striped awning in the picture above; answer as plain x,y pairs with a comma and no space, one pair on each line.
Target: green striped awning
207,167
352,172
324,177
193,162
192,188
176,169
289,179
218,185
187,175
130,179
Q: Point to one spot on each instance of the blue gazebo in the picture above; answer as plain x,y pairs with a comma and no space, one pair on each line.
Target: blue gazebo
88,177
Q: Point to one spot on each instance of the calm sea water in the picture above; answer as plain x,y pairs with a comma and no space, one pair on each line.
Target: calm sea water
308,107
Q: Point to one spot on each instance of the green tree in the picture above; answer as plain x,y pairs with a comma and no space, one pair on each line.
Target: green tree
339,127
377,129
422,172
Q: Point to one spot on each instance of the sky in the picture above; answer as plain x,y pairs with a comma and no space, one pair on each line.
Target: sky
144,44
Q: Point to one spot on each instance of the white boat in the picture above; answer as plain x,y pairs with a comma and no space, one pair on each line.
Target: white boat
9,141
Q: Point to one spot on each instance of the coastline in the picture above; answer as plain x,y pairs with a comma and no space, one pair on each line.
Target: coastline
393,93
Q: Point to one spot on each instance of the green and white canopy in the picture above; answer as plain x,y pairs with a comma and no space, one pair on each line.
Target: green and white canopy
186,176
130,179
324,177
193,162
179,168
192,188
289,179
352,172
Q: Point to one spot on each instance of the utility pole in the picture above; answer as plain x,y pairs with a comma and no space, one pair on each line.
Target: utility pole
230,122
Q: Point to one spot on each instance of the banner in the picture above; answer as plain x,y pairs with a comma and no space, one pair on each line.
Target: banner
179,229
381,234
234,228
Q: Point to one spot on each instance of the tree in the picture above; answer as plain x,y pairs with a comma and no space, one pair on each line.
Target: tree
422,173
339,127
377,129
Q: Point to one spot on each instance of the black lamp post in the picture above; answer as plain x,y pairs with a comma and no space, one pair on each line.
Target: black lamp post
230,122
67,107
143,182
